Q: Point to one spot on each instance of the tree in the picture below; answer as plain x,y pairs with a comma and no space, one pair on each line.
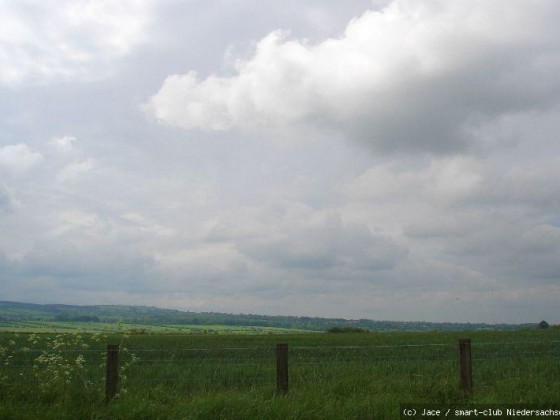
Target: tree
543,325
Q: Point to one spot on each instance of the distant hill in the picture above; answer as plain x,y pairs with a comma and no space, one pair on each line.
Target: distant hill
149,315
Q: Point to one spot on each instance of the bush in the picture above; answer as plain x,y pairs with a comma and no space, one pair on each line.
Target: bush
347,330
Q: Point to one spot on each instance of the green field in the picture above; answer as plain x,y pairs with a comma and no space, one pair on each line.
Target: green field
232,376
109,327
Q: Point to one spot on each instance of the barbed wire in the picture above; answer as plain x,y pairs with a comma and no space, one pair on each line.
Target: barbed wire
373,346
294,347
478,343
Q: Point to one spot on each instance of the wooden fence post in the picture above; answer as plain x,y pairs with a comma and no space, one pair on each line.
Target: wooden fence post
282,368
112,372
465,366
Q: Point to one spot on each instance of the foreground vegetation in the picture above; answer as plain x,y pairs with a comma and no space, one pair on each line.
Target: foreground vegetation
212,376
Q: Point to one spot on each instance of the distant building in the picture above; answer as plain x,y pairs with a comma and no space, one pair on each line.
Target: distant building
543,325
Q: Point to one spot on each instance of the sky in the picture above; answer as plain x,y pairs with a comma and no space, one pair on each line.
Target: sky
391,160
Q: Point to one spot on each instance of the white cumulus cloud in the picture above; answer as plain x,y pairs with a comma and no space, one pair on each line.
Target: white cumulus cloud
73,171
415,76
41,41
64,144
18,157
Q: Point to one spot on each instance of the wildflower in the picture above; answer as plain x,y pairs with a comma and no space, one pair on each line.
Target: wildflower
80,360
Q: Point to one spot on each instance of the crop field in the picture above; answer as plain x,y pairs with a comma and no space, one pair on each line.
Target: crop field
233,376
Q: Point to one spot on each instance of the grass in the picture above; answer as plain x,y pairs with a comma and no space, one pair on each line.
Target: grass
232,376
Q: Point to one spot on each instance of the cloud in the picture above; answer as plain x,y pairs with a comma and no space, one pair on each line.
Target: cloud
471,212
416,76
508,248
446,180
218,268
18,158
5,200
458,100
145,224
49,41
80,250
73,171
63,144
292,236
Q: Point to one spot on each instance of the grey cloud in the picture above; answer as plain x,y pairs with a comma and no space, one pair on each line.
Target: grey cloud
504,241
92,268
199,269
531,186
469,212
510,249
5,200
292,236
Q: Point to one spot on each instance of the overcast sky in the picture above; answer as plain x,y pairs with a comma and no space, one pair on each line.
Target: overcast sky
361,159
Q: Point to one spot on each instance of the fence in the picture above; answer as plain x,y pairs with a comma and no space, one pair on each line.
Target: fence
467,366
344,356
